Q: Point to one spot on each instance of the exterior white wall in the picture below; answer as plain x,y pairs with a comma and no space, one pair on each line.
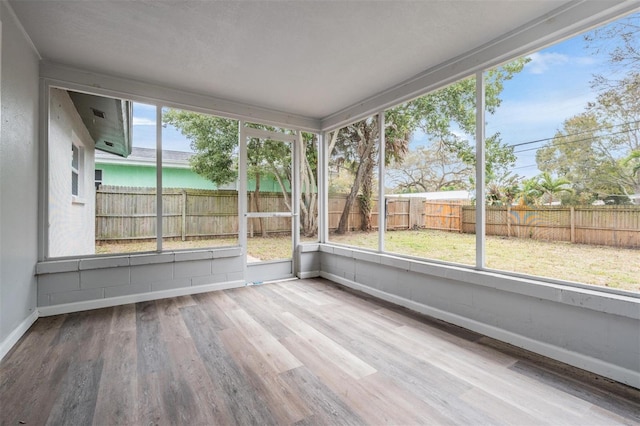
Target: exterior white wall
18,181
589,329
71,219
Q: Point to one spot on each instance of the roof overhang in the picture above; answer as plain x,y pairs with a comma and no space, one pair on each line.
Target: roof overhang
108,121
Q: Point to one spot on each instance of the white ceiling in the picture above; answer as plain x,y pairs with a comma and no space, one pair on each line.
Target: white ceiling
311,58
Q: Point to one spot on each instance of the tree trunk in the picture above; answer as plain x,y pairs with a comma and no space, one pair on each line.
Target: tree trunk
256,199
366,198
368,142
308,203
348,205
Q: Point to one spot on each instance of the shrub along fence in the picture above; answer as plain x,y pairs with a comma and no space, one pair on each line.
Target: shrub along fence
125,213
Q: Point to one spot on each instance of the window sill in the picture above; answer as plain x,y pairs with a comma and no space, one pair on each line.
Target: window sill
133,259
77,200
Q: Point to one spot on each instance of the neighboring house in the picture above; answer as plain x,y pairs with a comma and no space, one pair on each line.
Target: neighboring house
79,125
138,170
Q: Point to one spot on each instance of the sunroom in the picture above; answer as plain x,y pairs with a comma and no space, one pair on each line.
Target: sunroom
473,162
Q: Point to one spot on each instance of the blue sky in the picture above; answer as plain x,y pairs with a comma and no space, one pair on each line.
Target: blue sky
551,88
554,86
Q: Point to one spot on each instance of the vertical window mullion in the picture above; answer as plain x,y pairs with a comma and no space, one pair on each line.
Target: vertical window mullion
159,177
382,202
323,185
480,171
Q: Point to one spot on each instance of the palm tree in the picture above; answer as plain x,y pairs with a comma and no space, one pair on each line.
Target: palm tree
550,186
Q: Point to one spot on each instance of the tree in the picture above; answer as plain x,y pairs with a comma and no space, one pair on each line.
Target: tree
436,114
355,147
548,187
503,191
214,141
593,148
620,42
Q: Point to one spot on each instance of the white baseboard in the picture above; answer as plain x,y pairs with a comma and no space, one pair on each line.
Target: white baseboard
603,368
66,308
16,334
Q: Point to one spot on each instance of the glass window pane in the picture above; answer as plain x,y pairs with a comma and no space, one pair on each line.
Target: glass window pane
353,184
568,206
119,217
430,180
269,239
309,188
199,180
126,195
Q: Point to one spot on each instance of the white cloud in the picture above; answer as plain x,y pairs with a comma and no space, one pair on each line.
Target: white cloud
142,121
542,62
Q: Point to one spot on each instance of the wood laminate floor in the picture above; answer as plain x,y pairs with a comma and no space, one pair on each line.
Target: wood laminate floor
295,352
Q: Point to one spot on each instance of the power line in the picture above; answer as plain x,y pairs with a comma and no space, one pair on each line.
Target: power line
574,134
573,141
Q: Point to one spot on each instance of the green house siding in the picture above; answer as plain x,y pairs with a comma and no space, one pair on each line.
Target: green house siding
145,177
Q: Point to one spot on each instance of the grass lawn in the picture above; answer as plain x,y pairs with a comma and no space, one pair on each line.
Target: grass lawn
603,266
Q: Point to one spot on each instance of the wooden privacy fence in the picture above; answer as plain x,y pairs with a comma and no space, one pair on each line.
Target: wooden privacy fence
443,216
124,213
401,213
127,213
617,226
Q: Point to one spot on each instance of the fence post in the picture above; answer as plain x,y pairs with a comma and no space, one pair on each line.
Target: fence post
184,215
508,220
573,224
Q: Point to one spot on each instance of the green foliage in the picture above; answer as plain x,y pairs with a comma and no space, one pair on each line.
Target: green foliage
214,141
595,149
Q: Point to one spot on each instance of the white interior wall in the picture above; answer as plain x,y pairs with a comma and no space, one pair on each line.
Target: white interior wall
71,220
18,181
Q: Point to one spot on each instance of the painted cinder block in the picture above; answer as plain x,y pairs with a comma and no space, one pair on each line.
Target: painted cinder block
104,262
126,290
170,284
327,259
77,296
44,299
55,283
194,268
185,256
309,261
624,333
226,252
108,277
235,276
56,266
366,256
227,264
151,273
341,251
150,258
209,279
347,265
309,247
396,262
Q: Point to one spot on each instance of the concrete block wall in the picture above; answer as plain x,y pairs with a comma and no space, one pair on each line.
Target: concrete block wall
77,284
590,329
308,260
